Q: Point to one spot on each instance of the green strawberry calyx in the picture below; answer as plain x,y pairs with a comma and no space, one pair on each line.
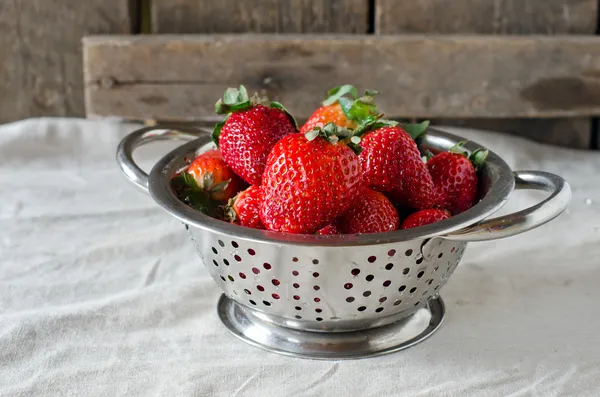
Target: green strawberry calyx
230,213
277,105
235,99
477,157
354,107
415,130
334,94
198,194
334,134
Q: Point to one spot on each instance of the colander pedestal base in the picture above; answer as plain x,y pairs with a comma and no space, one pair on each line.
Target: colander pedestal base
331,345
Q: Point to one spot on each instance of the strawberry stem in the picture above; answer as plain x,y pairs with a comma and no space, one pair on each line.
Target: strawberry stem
428,155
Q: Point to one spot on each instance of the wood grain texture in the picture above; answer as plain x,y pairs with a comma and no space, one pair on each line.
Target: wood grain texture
566,132
486,16
260,16
499,17
40,53
180,77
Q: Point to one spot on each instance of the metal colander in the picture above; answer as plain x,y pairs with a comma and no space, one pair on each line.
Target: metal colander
343,296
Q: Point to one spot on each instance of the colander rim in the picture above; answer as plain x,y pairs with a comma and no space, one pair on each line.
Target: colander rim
496,170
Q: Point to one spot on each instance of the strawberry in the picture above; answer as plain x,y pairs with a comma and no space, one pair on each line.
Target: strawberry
329,230
424,217
243,208
392,164
455,177
328,114
249,132
372,212
309,180
214,176
186,188
342,111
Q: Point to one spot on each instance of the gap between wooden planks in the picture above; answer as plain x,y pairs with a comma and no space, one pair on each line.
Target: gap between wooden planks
179,77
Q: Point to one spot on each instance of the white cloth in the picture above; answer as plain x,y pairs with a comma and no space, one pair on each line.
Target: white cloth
102,294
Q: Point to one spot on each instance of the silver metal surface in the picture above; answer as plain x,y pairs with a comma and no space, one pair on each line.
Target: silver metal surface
527,219
327,288
336,284
399,335
142,137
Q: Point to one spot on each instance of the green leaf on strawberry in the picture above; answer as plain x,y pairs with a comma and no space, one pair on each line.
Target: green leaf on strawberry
359,109
459,148
187,189
372,123
233,100
354,108
338,92
417,129
217,132
277,105
478,158
334,134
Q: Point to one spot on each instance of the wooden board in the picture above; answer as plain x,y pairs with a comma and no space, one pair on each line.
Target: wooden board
260,16
180,77
566,132
40,53
499,17
486,16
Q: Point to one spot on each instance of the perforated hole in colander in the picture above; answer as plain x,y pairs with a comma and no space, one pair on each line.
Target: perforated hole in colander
350,284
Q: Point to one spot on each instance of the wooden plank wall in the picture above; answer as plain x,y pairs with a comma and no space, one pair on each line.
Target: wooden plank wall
486,16
506,17
180,77
544,95
40,53
260,16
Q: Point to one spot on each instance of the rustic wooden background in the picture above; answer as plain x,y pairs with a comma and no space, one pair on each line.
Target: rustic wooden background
527,67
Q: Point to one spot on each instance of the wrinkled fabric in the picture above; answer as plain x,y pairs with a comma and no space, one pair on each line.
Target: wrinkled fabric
101,293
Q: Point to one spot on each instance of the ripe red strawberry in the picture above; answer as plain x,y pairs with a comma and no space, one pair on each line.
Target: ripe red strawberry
309,180
391,163
243,208
455,177
328,114
372,212
424,217
249,132
344,112
329,230
214,176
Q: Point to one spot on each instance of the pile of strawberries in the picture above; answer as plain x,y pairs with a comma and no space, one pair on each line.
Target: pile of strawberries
345,171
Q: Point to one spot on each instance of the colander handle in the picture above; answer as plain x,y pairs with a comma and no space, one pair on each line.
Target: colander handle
527,219
144,136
